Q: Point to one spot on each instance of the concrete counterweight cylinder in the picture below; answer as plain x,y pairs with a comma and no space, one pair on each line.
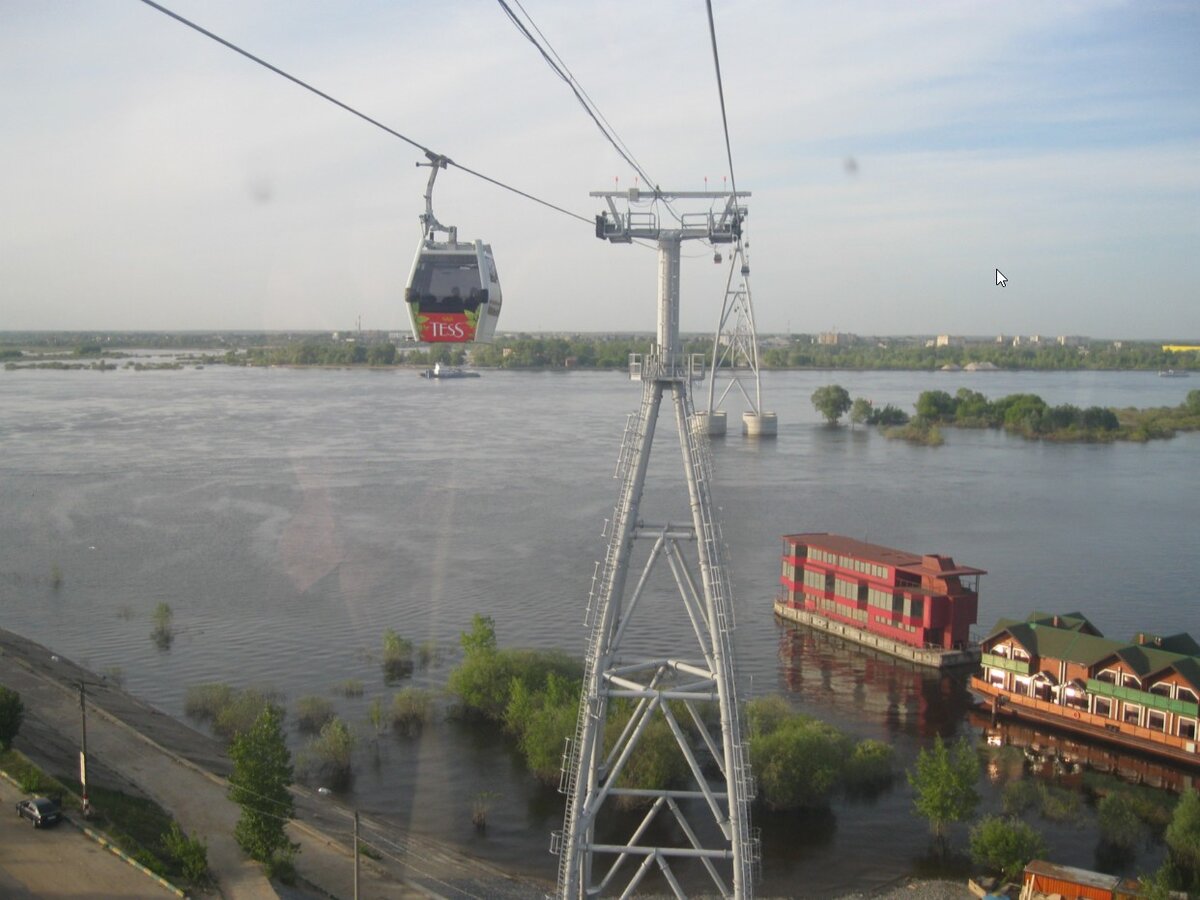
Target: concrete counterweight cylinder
710,423
759,424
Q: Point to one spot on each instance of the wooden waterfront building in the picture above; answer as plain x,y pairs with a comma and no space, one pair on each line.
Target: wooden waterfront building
921,601
1059,669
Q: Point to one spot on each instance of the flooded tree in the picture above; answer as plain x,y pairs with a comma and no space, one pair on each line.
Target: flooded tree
943,783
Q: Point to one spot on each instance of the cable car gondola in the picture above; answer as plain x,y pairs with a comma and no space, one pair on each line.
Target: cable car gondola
453,292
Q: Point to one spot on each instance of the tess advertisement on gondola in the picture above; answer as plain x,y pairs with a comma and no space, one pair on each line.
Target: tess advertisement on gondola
434,328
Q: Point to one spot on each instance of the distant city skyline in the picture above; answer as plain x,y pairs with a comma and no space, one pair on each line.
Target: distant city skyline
898,154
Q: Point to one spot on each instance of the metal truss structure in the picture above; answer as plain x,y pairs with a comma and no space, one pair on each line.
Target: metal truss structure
702,829
735,354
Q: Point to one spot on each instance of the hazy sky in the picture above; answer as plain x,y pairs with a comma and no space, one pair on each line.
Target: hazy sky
152,179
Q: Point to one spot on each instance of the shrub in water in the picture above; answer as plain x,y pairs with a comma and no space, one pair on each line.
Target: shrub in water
333,750
412,709
312,713
1021,796
397,656
204,701
800,763
243,708
869,767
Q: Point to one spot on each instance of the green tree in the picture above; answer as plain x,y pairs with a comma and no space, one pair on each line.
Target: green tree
1183,840
971,407
1120,826
936,406
262,772
12,714
382,354
482,636
1097,418
860,411
943,783
831,401
1005,846
889,416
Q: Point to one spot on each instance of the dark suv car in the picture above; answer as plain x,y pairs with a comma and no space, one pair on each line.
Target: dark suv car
40,811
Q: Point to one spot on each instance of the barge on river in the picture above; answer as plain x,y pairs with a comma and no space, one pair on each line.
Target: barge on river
912,606
1061,671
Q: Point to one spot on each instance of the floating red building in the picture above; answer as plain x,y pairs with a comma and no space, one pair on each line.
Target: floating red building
916,606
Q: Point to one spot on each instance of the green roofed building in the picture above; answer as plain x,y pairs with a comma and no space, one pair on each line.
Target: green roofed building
1060,670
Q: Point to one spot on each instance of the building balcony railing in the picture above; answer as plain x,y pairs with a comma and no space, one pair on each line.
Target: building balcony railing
1020,666
1145,698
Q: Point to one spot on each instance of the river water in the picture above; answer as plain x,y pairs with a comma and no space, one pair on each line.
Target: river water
290,516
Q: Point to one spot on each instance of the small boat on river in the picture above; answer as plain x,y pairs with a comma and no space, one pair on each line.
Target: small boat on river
440,371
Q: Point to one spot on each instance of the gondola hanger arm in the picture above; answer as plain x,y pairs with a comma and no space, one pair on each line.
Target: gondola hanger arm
429,220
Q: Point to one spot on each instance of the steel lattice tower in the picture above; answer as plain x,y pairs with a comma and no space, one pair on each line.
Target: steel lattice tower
710,817
735,356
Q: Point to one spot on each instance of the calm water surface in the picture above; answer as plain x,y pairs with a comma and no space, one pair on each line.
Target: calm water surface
290,516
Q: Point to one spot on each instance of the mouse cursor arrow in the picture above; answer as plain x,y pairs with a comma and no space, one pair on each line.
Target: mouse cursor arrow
1001,279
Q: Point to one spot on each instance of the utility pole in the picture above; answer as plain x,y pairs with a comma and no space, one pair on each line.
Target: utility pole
84,804
355,854
667,687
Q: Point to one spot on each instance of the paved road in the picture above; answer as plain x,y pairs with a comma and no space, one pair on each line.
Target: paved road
196,801
174,765
62,862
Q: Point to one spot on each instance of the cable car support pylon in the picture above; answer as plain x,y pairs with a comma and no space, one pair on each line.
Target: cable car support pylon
701,828
735,357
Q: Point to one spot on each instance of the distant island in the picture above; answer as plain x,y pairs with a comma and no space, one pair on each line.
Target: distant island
83,350
1027,415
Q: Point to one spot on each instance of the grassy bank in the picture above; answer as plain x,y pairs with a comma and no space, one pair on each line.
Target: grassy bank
138,826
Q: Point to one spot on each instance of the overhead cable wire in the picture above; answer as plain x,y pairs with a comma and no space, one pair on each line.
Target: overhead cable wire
560,68
562,72
712,30
584,97
350,109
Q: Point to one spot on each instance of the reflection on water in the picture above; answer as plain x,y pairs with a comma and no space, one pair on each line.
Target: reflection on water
1064,757
861,683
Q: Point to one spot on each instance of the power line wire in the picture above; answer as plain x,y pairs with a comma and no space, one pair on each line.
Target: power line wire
350,109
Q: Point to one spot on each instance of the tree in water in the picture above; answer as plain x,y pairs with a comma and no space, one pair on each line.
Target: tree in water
831,401
860,411
163,634
262,772
943,783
